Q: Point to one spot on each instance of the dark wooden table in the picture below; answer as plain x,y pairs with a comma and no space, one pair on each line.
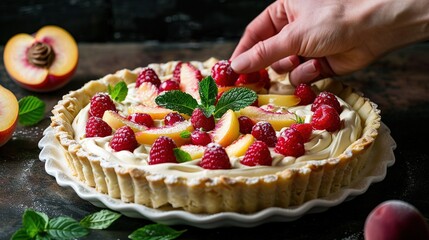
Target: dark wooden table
398,83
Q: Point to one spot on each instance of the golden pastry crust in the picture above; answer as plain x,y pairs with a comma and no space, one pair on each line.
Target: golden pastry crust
288,187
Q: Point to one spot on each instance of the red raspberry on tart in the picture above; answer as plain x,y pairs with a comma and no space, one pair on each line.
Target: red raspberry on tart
246,124
326,98
96,127
257,154
124,139
148,75
305,93
200,137
265,132
290,143
162,151
172,118
101,102
223,74
141,119
169,85
326,117
305,129
199,120
215,157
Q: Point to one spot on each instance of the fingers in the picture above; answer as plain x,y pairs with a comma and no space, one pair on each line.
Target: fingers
264,26
286,64
310,71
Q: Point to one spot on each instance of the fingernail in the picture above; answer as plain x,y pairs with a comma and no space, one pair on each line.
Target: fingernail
286,63
239,64
310,67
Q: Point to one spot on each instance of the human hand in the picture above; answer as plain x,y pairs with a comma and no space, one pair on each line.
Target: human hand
320,38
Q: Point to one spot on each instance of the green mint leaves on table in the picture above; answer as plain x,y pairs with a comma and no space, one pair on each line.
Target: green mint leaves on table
31,110
235,99
118,92
37,225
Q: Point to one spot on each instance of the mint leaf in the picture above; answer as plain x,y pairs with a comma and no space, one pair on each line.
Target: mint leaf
31,110
208,111
235,99
155,232
118,92
208,92
182,156
21,234
100,220
34,222
177,100
185,134
66,228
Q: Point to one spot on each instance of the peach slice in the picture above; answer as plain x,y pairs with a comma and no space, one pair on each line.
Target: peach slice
190,78
278,100
195,151
277,120
155,112
43,62
239,147
227,129
149,136
258,87
116,121
146,93
9,109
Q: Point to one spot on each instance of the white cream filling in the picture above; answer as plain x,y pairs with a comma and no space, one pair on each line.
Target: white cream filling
322,145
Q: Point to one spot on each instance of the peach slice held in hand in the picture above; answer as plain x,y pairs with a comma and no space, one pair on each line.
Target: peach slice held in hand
41,62
174,132
277,120
9,109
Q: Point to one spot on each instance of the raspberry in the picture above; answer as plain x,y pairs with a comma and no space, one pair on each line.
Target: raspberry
169,85
141,119
199,120
162,151
257,154
326,117
124,139
327,98
305,93
199,137
305,129
215,157
101,102
265,78
96,127
265,132
172,118
246,78
176,72
246,124
290,143
148,75
223,74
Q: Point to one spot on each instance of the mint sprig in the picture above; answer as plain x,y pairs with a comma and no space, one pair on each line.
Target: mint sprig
181,156
155,232
37,225
177,100
118,92
31,110
235,99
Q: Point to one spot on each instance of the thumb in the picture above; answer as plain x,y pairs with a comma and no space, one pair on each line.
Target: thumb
264,53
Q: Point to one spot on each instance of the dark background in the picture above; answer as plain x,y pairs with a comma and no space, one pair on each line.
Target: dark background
132,20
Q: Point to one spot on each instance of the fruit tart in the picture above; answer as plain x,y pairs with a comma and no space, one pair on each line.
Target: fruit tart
199,137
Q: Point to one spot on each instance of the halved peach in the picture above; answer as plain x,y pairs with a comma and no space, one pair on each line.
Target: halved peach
116,121
8,114
278,100
239,147
149,136
43,62
277,120
227,129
